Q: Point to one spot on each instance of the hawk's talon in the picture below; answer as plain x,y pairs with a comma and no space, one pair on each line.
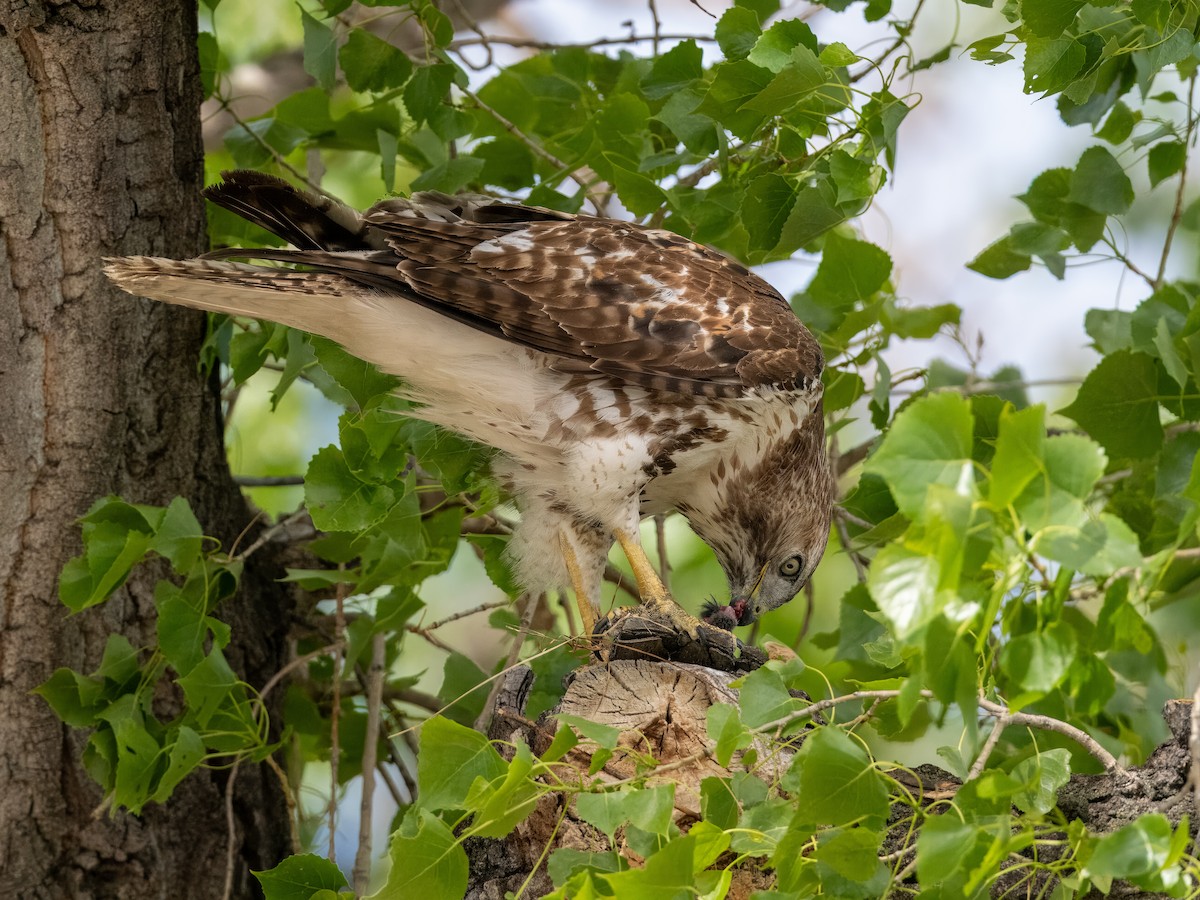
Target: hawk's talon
668,633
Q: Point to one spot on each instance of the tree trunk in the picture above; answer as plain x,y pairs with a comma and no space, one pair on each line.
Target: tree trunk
100,394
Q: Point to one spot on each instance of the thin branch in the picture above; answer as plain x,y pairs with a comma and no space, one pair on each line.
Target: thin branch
988,746
902,36
1046,723
533,145
660,536
275,154
982,387
295,664
231,831
529,44
289,798
462,614
1177,212
270,533
362,858
657,36
839,524
268,480
335,713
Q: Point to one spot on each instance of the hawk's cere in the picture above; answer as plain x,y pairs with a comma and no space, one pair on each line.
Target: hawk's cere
620,371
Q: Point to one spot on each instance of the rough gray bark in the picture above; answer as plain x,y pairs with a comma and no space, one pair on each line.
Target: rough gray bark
99,394
661,707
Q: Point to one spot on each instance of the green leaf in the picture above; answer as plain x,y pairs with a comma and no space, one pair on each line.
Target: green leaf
320,51
801,79
904,586
179,536
452,757
838,781
566,861
1100,183
1119,124
1049,18
838,54
371,64
299,877
210,61
773,50
944,848
734,85
1109,329
929,443
499,808
1139,848
365,383
726,729
1038,661
768,203
1118,405
667,874
850,270
1000,260
1042,776
606,811
185,755
1166,159
207,687
764,697
137,752
427,859
737,32
1018,458
674,70
640,195
337,499
1052,64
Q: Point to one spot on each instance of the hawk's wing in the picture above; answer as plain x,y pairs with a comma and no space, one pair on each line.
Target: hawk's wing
644,306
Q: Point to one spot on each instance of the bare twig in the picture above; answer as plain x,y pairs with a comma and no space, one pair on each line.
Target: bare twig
335,713
231,832
530,44
362,858
295,664
269,534
988,746
660,536
462,614
902,35
839,524
289,798
1046,723
268,480
532,144
657,36
1177,212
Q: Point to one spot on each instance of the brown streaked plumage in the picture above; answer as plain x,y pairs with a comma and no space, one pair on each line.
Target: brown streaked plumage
618,370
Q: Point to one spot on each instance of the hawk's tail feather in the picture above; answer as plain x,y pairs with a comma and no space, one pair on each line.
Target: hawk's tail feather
305,220
311,301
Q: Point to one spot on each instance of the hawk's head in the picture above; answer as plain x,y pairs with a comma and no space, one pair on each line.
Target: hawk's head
770,524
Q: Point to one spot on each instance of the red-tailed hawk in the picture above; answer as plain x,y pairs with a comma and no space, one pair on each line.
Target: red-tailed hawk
620,371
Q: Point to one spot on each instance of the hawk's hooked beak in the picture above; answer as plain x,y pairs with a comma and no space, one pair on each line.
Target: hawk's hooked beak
746,607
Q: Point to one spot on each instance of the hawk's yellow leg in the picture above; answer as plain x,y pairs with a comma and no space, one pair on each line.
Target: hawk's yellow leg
650,586
587,606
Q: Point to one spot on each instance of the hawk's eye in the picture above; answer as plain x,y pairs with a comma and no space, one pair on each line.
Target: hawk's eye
790,567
